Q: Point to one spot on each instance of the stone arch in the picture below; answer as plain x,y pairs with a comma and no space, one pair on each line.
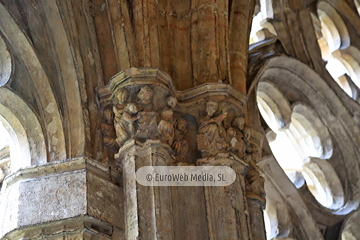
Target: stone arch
27,140
5,63
306,137
299,82
21,46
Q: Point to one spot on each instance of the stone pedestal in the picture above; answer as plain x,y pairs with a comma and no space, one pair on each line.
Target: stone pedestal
148,209
62,200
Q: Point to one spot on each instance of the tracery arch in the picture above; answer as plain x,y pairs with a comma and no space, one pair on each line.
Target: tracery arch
5,63
305,138
309,132
335,45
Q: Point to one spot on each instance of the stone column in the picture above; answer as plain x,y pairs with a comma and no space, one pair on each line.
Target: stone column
226,206
147,208
255,192
139,124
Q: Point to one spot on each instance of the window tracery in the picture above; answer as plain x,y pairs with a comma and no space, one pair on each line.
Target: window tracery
335,45
301,146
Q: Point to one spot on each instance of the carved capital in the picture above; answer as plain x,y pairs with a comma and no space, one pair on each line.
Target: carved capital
142,104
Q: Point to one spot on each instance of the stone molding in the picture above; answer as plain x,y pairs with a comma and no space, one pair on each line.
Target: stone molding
77,228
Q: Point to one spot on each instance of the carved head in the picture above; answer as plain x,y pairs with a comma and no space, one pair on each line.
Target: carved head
231,132
131,108
167,114
122,95
253,149
145,95
211,108
108,114
181,124
239,123
171,101
247,132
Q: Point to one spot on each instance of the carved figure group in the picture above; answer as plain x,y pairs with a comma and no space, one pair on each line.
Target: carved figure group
138,120
213,139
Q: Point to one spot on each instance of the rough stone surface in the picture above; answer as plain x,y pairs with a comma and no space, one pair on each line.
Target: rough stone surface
104,200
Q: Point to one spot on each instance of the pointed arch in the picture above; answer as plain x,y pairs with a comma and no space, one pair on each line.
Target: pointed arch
27,138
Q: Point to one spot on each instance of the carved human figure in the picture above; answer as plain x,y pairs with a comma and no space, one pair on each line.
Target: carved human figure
239,123
180,145
147,124
125,125
119,103
166,127
145,98
236,142
236,137
108,130
211,134
171,102
247,133
254,181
